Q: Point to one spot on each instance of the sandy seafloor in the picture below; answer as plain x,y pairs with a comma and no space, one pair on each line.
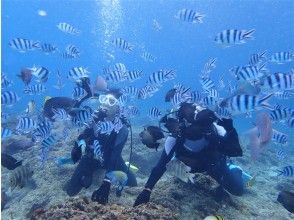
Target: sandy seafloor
190,202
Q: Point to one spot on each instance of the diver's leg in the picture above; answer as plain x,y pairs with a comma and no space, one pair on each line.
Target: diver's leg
82,176
132,181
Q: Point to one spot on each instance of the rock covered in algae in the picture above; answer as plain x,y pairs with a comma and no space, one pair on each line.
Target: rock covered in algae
84,208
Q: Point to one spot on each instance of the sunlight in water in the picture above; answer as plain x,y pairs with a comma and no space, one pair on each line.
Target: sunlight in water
110,20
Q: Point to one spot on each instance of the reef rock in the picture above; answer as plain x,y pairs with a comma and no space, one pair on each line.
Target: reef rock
84,208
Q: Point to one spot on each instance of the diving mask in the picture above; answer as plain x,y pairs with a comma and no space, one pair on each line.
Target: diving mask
108,100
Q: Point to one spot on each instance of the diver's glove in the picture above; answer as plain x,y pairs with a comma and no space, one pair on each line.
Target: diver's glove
226,123
101,195
143,197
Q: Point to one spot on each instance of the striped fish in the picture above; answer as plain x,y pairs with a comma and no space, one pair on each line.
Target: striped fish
26,125
41,73
122,100
190,16
66,55
257,58
286,171
5,133
232,37
179,98
23,45
223,113
117,123
122,44
120,67
72,50
97,148
20,176
104,127
147,91
148,57
42,131
245,103
209,101
282,57
79,93
281,155
290,122
279,137
67,28
161,76
48,142
9,98
133,75
206,83
278,82
212,93
76,73
281,114
133,111
130,91
196,96
249,73
284,95
208,67
35,89
154,113
60,114
84,116
5,82
47,48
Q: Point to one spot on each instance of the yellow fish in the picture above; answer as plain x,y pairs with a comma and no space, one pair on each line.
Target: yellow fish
251,182
132,167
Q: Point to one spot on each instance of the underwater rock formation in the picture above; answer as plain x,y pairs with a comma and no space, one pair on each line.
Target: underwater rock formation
84,208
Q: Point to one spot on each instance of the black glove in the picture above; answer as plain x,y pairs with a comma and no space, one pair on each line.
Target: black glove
101,195
143,197
226,123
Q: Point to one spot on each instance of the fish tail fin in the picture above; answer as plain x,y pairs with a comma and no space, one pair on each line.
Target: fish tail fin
263,101
262,55
200,17
280,172
248,34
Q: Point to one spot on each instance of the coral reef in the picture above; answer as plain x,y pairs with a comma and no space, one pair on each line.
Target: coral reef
83,208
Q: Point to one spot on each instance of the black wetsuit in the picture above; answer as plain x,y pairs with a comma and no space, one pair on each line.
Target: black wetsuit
112,146
212,159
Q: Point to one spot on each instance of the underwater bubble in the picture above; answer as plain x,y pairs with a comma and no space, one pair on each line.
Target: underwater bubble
42,13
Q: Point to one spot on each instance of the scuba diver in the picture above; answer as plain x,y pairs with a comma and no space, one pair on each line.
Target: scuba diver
203,142
110,148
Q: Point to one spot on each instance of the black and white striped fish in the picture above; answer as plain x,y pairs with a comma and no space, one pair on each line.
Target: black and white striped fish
42,131
130,91
120,67
284,95
79,93
232,37
207,83
133,75
245,103
196,96
36,89
66,55
290,122
76,73
161,76
72,50
279,137
25,125
208,67
190,16
280,114
282,57
9,98
117,124
209,102
179,98
97,149
222,112
115,76
147,91
60,114
47,48
23,45
286,171
104,127
48,142
249,73
5,82
122,100
278,82
257,58
41,73
154,113
67,28
281,155
212,93
84,116
148,57
122,44
5,133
